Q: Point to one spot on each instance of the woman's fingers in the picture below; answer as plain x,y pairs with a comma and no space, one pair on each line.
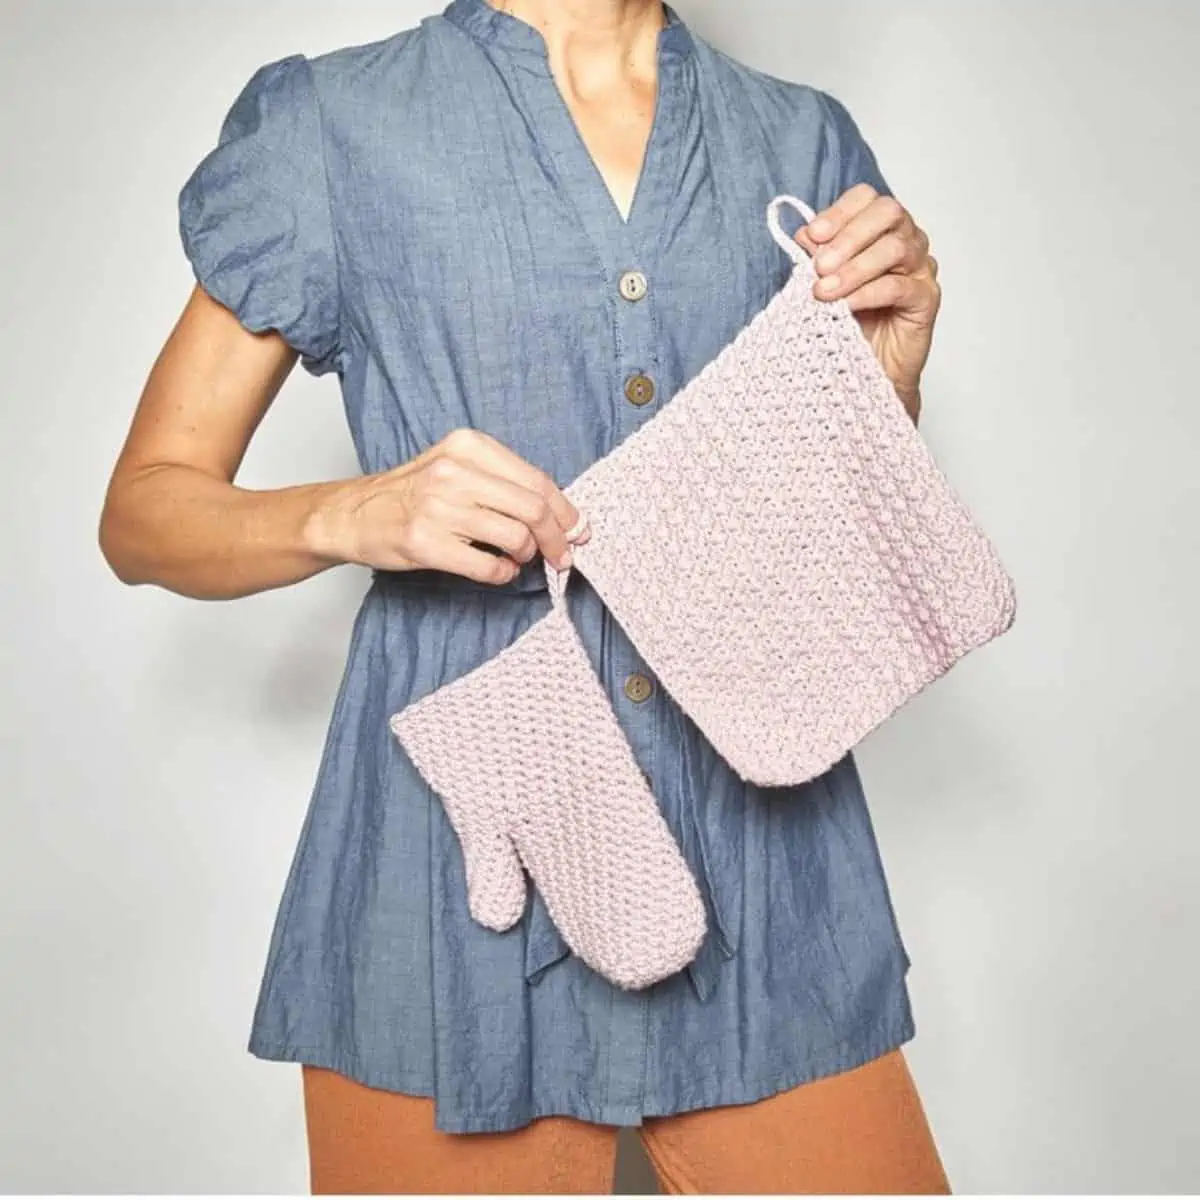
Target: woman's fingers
887,255
448,507
468,468
481,450
531,509
889,292
862,236
460,558
866,248
492,528
883,216
827,225
860,229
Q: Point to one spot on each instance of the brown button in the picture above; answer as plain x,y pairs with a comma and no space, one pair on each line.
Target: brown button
639,389
633,285
638,688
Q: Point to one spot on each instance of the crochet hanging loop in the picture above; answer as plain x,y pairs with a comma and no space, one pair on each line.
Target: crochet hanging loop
786,242
556,580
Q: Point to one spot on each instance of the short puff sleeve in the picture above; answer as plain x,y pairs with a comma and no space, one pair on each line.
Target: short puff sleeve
254,216
847,159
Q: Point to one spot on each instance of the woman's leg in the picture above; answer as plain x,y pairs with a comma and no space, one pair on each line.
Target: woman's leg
863,1131
363,1140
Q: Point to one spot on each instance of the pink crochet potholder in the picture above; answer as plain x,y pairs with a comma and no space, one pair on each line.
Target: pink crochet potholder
782,550
781,547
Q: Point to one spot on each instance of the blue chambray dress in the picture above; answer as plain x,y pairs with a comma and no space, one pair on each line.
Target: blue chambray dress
420,217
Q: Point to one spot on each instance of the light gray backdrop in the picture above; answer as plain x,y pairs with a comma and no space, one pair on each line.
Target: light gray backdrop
1036,808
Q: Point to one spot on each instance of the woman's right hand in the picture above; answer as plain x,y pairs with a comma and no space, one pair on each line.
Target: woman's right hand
174,517
468,488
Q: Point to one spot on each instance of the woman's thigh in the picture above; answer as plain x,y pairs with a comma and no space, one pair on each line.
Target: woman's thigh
367,1141
863,1131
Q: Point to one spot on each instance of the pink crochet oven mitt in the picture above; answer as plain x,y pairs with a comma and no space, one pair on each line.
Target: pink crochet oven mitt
534,771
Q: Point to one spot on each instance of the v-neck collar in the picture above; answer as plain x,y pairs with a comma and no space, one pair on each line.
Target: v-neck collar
599,214
523,41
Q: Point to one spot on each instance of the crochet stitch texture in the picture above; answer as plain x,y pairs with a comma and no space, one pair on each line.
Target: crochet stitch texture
533,769
828,573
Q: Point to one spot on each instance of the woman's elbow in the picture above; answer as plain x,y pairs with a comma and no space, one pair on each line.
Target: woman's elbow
118,537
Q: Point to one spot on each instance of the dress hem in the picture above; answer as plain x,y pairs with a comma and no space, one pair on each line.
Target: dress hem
835,1058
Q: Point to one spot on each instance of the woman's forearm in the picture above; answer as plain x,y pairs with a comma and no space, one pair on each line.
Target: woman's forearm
188,532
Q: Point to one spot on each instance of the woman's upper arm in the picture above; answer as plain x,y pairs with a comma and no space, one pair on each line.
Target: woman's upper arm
206,393
256,227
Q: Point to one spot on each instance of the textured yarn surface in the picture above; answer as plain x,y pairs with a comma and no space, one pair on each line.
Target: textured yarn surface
785,554
534,771
781,547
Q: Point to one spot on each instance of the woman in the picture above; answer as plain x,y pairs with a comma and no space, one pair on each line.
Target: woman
514,232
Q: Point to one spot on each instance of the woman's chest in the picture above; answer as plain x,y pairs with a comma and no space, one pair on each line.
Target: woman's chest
488,271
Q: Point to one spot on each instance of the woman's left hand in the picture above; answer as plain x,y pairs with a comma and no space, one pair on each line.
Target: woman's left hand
867,249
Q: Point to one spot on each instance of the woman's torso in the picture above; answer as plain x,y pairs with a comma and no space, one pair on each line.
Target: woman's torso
483,273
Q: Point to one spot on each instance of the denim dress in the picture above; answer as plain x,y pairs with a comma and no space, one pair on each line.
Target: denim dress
420,217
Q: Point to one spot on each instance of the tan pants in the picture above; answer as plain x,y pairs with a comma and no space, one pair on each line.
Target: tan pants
862,1132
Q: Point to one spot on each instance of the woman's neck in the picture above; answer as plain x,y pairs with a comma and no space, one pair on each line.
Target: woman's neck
579,30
